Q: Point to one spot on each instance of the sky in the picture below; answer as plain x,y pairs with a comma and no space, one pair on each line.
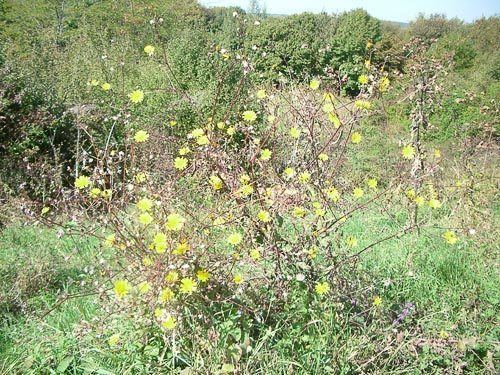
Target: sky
390,10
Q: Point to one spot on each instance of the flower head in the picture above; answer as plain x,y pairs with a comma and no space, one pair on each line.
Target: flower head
322,288
144,204
249,116
175,222
356,137
264,216
106,86
265,154
82,182
314,84
235,238
180,163
261,94
450,237
149,50
203,275
136,96
188,285
121,288
141,136
408,152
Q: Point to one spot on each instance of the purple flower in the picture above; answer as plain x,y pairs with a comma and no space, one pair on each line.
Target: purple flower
407,310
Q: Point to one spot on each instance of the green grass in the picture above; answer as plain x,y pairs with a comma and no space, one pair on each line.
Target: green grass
453,288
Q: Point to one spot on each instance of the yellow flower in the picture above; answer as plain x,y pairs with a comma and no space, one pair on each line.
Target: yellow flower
328,107
95,193
188,285
332,117
352,241
94,82
216,182
160,242
141,136
140,177
333,194
264,216
356,137
45,210
221,125
383,84
169,322
175,222
450,237
265,154
113,340
234,239
363,104
184,151
437,153
106,86
289,172
358,193
249,116
180,163
110,239
245,190
305,177
121,288
203,275
172,277
419,201
312,252
299,211
408,152
294,132
411,194
203,140
147,261
322,288
181,249
244,178
323,157
434,203
82,182
144,287
372,183
238,279
261,94
255,254
367,64
166,295
231,131
136,96
377,301
172,123
149,50
363,79
145,218
271,119
144,204
196,133
314,84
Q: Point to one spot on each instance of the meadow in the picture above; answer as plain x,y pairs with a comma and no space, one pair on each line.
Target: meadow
194,190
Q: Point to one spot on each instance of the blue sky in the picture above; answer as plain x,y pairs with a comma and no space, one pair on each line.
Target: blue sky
392,10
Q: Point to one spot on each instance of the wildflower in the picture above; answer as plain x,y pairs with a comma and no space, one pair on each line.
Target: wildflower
141,136
110,239
322,288
82,182
328,107
166,295
411,194
106,86
238,279
408,152
294,132
289,172
352,241
443,334
305,177
147,261
271,119
450,237
144,287
265,154
203,275
312,252
180,163
145,218
328,96
181,249
231,131
196,133
244,178
249,116
323,157
45,210
255,254
333,194
149,50
113,340
216,182
184,151
314,84
372,183
140,177
136,96
367,64
169,322
383,84
363,104
160,242
358,193
264,216
172,123
144,204
363,79
221,125
356,137
434,203
95,193
419,201
172,277
94,82
332,117
188,285
299,211
175,222
203,140
437,153
246,190
377,301
234,239
121,288
261,94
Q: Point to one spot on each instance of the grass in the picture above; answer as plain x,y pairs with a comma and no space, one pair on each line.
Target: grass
453,290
